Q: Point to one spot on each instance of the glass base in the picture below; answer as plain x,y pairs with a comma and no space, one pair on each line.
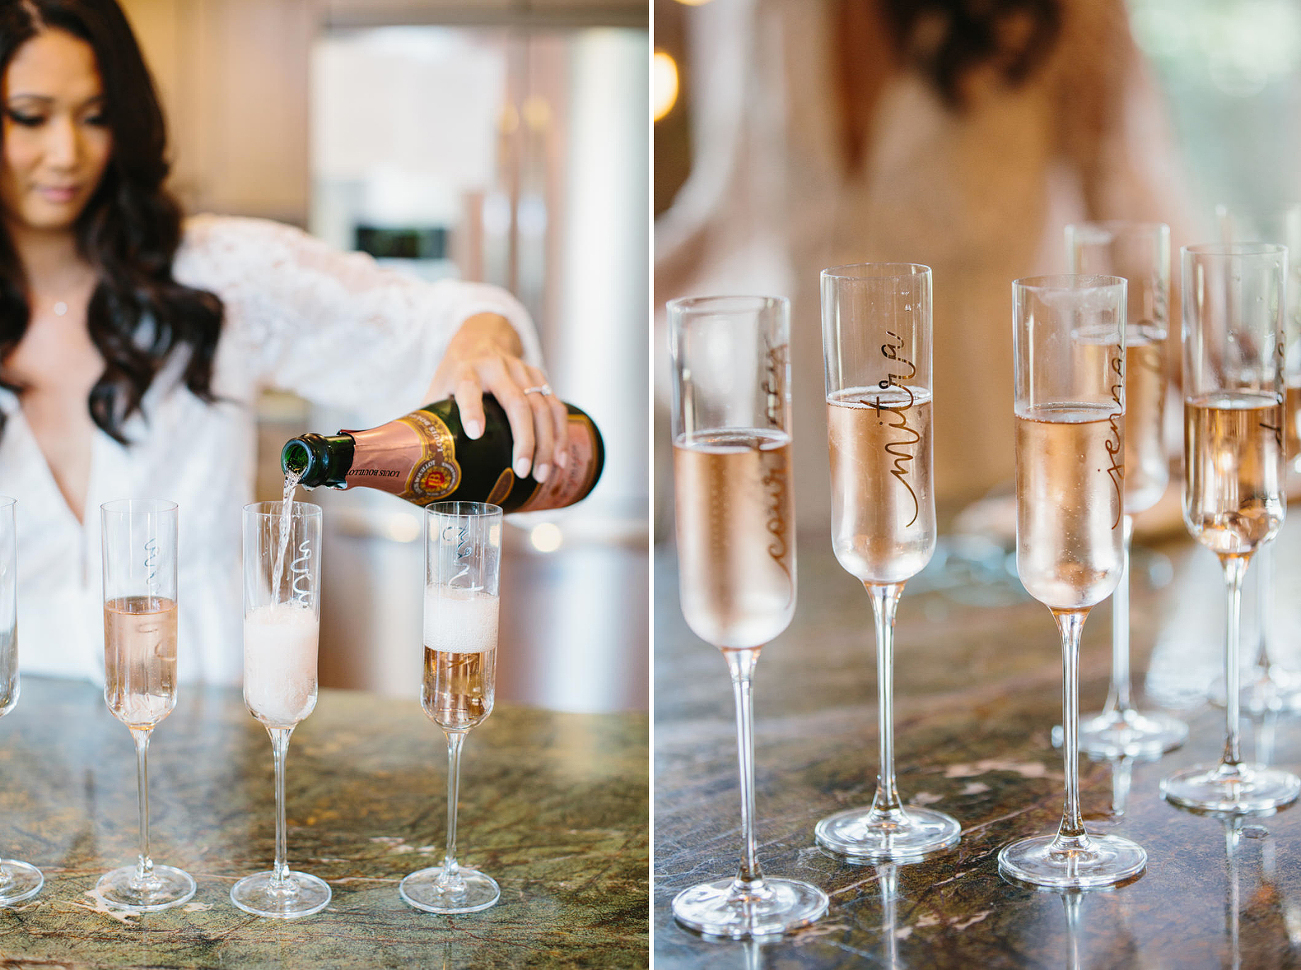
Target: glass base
19,881
474,892
299,895
1261,692
862,834
1099,860
730,909
165,888
1231,789
1115,734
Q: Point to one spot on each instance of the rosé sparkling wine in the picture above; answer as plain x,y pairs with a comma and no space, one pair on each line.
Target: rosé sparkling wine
282,546
1292,433
1069,550
1233,452
140,659
736,535
460,656
883,516
280,645
1146,471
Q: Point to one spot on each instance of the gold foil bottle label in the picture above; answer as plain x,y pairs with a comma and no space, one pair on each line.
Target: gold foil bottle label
436,475
413,457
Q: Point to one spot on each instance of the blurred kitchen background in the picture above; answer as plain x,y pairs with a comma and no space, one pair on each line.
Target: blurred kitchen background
497,140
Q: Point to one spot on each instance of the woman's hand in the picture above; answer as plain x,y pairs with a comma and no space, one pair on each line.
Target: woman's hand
484,356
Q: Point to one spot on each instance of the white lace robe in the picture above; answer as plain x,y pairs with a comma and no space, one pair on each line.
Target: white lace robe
335,328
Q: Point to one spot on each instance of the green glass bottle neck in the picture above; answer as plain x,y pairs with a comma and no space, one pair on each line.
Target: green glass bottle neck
318,459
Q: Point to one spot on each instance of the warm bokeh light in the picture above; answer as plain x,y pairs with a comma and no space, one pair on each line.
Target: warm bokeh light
666,84
693,3
546,537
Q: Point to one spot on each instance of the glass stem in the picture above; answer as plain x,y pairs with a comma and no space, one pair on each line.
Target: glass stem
144,864
449,875
1264,753
1071,834
279,748
1118,698
1122,775
1264,605
741,664
886,806
1235,567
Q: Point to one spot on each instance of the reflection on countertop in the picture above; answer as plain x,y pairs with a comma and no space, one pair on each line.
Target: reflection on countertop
978,689
552,804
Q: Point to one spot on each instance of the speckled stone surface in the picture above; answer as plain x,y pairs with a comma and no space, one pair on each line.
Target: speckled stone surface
554,806
978,675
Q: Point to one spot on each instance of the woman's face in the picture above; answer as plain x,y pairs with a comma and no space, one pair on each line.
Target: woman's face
56,141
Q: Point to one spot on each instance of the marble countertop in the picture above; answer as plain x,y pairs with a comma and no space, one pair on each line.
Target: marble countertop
552,805
978,690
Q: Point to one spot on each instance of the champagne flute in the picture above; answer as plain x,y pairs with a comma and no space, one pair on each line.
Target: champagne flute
1233,495
876,337
282,611
1272,687
1069,353
1140,252
462,565
18,880
139,554
736,553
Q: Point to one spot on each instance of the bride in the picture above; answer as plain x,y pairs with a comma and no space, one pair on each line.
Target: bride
134,343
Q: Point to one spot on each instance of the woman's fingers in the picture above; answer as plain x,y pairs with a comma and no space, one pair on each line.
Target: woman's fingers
539,423
531,379
560,414
469,400
497,380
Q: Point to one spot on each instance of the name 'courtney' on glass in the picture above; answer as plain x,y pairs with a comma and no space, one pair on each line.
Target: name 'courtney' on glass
876,347
1069,368
736,553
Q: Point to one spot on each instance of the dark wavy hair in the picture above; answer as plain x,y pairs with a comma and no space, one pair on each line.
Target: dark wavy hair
949,38
945,40
129,231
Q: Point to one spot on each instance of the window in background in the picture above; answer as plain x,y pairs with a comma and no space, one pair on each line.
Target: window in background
1231,73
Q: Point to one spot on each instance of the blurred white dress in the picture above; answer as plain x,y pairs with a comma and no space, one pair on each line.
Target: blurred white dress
336,328
981,196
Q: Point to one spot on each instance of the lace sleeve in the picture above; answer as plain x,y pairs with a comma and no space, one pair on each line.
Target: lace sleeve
335,328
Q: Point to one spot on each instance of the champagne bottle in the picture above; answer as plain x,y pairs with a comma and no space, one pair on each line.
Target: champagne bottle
426,456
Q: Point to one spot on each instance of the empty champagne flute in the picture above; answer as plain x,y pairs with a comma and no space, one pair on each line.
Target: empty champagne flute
139,551
1069,352
736,553
1233,498
876,340
18,880
462,565
1139,252
282,612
